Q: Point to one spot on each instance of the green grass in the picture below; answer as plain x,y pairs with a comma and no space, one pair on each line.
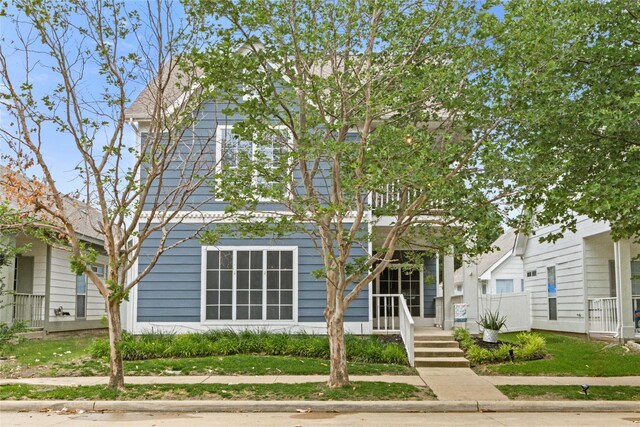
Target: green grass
571,356
569,392
47,351
240,364
305,391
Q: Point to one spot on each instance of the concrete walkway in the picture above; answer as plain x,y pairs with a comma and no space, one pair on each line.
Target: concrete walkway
449,384
213,379
459,384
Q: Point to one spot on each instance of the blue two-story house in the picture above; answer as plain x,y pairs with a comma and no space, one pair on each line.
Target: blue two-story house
259,283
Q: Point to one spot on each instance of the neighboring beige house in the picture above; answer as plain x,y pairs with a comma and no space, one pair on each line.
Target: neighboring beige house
43,291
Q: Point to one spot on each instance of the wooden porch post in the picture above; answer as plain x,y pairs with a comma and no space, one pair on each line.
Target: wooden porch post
470,292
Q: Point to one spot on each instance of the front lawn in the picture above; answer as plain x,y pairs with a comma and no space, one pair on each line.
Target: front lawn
305,391
569,392
571,356
71,356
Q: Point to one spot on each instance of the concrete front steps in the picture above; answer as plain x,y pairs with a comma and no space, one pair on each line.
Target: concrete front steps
435,348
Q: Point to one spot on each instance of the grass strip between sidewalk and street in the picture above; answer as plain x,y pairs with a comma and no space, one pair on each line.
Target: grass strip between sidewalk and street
304,391
569,392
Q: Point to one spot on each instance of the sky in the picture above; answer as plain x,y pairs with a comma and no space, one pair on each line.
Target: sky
58,147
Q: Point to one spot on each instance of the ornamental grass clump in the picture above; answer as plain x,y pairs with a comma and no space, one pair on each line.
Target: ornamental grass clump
226,343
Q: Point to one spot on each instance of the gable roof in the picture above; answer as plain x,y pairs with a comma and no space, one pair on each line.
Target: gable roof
503,244
83,217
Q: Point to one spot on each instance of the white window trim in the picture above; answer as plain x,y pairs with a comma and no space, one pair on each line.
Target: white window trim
218,161
203,286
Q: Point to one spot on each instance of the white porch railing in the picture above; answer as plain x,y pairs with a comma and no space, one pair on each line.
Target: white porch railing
603,315
407,329
391,194
29,308
391,315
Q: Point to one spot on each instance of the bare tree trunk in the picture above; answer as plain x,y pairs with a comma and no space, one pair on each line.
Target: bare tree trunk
338,374
116,374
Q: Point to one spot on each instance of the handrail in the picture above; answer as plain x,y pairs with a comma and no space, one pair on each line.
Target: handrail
407,327
603,315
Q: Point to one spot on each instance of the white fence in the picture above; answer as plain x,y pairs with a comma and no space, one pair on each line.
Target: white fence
515,306
391,315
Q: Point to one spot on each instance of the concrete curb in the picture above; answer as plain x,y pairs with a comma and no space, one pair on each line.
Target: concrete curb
320,406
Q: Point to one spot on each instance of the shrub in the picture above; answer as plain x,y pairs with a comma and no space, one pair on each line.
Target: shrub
463,337
8,333
222,343
531,346
478,355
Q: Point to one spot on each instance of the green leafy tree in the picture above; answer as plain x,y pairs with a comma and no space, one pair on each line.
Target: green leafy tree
573,135
353,112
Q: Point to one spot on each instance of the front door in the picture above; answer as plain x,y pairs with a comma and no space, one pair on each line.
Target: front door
406,281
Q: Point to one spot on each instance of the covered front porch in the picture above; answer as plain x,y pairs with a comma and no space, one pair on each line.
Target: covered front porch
612,286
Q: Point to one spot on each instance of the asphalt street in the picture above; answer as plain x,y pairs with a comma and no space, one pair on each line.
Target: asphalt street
99,419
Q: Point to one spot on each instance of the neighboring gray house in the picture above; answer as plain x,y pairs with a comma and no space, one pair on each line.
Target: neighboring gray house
42,289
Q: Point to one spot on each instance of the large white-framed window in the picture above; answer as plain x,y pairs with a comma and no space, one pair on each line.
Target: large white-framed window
249,283
231,149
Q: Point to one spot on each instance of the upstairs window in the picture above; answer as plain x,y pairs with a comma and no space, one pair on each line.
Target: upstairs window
266,156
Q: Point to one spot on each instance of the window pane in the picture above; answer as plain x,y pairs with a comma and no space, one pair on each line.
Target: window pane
243,297
212,313
226,278
286,280
213,260
286,298
212,298
256,260
80,306
242,313
286,260
225,297
226,260
213,280
243,280
504,286
273,312
273,260
286,313
551,281
273,297
256,280
256,297
273,281
81,284
256,312
225,312
553,309
243,260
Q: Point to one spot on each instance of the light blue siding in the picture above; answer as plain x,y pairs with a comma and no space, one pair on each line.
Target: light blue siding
171,291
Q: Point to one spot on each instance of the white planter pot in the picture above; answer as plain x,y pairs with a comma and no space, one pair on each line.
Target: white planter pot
489,335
